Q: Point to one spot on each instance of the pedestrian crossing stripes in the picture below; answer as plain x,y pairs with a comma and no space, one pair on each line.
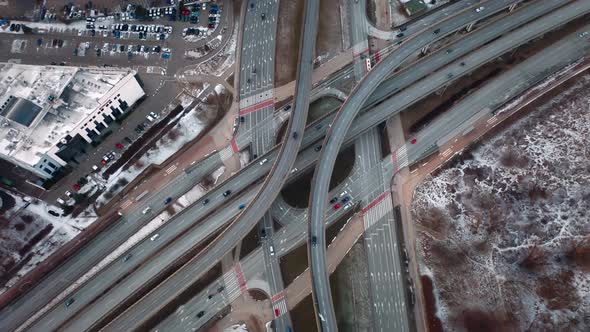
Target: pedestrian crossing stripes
171,169
226,153
447,152
126,204
256,107
402,156
280,307
377,210
232,286
492,119
278,296
257,98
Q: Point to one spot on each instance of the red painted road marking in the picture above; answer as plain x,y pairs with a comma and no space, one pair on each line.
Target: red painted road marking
256,107
278,296
360,53
241,279
394,157
234,145
374,202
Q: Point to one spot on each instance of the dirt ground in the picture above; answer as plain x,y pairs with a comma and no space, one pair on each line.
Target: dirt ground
329,39
287,47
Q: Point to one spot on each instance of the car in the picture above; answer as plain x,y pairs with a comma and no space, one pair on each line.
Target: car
70,301
448,51
68,193
314,240
345,200
263,16
122,48
60,43
226,193
146,210
336,206
272,250
263,161
344,193
165,55
95,168
242,206
413,141
220,289
318,126
76,187
39,42
98,52
53,213
479,9
252,5
294,170
204,6
210,296
295,135
462,63
242,119
61,201
584,34
205,201
400,35
154,237
154,115
128,140
288,107
263,233
127,257
334,200
436,31
317,148
277,312
149,118
168,200
200,314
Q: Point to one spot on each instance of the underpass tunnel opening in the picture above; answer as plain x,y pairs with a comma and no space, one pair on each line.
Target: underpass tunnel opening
296,193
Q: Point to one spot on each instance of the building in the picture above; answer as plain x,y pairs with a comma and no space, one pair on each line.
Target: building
51,115
414,7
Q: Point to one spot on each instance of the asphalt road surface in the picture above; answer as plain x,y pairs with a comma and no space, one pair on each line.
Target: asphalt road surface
316,133
337,133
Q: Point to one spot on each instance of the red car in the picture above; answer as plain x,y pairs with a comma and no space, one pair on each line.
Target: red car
413,141
76,187
119,146
337,206
277,312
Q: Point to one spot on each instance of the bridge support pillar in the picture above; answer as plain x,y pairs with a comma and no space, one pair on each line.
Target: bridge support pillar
470,27
512,7
424,49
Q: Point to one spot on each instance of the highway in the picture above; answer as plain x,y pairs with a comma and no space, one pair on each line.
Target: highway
270,189
334,139
83,260
252,176
503,43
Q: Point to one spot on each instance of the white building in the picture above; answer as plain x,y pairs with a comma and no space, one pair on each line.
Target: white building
50,114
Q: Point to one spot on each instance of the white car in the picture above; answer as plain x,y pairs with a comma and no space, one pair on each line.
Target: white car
146,210
154,237
166,50
263,161
68,193
272,250
479,9
61,201
294,170
204,6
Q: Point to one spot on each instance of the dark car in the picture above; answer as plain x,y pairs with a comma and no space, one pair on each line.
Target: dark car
206,201
53,213
314,240
128,257
242,206
288,107
318,126
128,140
226,193
60,43
242,119
39,42
82,181
220,289
436,31
345,200
122,48
334,200
263,232
263,16
318,148
168,200
295,135
200,314
70,302
54,43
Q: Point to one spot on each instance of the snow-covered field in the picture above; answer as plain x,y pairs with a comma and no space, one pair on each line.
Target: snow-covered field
21,224
504,232
218,64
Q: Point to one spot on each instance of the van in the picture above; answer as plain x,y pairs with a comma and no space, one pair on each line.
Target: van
146,210
272,250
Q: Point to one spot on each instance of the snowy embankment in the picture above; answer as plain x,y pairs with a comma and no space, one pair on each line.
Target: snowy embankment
25,220
505,231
